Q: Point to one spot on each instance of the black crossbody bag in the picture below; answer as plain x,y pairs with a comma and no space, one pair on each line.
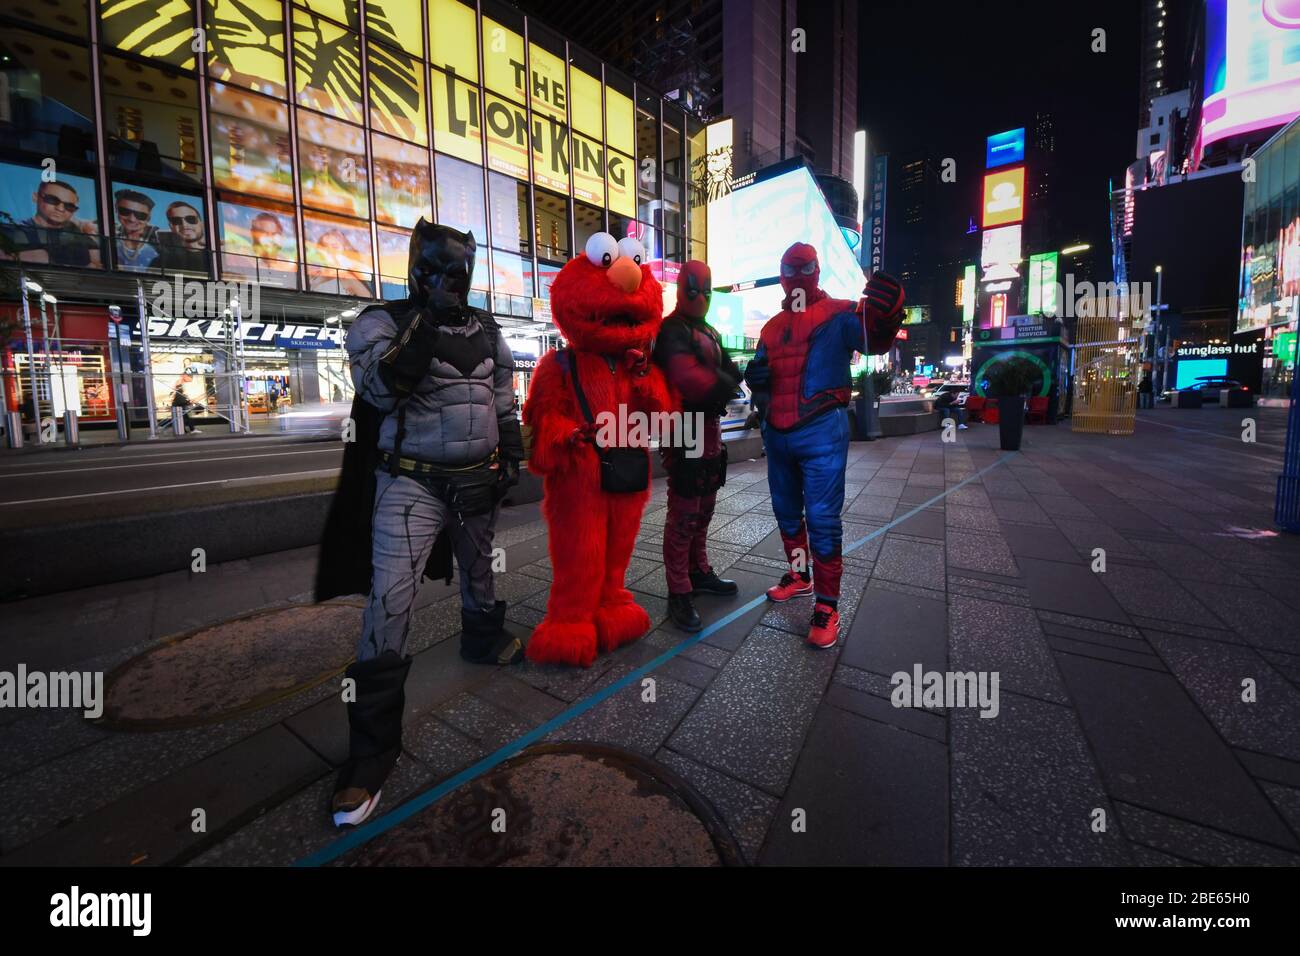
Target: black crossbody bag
622,470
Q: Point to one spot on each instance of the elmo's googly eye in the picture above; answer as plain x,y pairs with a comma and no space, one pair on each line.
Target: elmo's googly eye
632,249
602,249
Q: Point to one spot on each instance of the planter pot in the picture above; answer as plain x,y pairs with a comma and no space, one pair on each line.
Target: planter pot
1011,421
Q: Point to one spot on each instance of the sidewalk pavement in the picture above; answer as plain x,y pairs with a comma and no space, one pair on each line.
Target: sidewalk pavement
1121,735
99,435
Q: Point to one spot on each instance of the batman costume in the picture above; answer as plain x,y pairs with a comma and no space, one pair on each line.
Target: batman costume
437,446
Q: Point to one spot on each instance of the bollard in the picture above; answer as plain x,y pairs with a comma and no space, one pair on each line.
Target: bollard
178,421
71,430
14,429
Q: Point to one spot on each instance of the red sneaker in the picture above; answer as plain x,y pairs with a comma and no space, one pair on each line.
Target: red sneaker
792,586
825,630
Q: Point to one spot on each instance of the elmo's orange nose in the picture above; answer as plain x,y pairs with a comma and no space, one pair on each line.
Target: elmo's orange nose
625,274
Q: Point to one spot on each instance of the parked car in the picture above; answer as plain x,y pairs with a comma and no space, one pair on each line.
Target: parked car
1211,385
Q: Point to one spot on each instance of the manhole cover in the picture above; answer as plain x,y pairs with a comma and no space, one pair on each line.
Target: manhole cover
561,805
233,667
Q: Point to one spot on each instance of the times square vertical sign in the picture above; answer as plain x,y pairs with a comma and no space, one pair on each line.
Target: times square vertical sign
876,249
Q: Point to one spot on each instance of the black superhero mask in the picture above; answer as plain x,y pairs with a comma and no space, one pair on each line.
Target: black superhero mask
441,264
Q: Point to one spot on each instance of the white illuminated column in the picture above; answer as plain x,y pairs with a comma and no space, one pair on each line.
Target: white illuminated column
860,182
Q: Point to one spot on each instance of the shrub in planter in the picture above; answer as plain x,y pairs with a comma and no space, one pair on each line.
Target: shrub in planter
1009,382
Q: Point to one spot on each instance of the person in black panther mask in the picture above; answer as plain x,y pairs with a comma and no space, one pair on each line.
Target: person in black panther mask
436,398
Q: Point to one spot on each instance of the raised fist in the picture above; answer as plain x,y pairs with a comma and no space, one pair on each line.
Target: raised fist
882,298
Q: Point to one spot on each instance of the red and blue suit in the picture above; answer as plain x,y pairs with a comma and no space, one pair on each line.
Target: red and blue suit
801,384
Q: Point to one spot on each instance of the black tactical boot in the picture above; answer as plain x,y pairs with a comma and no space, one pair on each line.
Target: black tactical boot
706,582
682,610
485,640
374,738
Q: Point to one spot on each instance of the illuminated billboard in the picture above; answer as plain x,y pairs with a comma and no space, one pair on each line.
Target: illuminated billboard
968,296
744,250
1252,68
1004,197
1000,253
1003,148
1042,283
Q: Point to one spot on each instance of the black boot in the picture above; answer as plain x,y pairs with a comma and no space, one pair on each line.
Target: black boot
682,610
706,582
484,638
375,735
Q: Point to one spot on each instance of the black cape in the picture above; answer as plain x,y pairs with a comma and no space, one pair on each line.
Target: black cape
344,565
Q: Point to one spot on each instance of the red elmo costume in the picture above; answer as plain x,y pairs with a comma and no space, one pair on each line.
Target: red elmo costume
608,307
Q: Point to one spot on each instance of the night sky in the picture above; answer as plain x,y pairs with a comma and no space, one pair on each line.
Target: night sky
943,76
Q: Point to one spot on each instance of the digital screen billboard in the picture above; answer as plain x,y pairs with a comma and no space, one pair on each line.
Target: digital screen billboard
1000,253
1004,148
1042,283
1252,68
1004,197
1189,370
743,249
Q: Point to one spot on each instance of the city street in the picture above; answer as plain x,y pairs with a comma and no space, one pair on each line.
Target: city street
1121,733
60,486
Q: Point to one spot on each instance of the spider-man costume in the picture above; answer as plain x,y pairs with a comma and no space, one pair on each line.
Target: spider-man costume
801,385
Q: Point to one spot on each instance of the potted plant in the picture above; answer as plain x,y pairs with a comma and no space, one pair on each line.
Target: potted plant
1008,382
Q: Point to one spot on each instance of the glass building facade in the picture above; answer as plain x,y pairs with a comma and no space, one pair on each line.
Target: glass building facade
1269,293
295,144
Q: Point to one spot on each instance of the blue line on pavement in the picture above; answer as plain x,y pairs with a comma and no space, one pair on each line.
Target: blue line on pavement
374,828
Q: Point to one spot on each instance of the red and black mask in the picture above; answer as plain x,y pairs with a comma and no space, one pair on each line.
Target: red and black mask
694,289
800,270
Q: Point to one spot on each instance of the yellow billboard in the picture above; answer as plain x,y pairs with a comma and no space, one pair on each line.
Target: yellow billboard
507,136
584,103
620,122
550,89
588,170
550,153
452,38
503,60
619,179
456,117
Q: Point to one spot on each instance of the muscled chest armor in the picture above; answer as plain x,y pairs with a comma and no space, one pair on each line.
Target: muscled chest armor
806,358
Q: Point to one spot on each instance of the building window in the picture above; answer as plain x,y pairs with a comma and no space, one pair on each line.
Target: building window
251,153
509,214
49,103
246,44
258,241
460,197
332,169
401,178
551,225
326,67
151,120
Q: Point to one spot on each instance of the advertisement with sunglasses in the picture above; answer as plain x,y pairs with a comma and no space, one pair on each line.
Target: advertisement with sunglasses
158,231
48,223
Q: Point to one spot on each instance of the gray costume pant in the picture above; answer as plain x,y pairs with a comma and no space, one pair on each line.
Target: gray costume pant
407,519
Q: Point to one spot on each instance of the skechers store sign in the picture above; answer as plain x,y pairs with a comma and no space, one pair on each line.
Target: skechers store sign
284,335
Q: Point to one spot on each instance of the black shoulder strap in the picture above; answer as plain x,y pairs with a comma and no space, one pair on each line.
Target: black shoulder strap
572,363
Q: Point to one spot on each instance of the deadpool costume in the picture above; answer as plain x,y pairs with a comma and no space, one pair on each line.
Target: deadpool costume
801,385
703,378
